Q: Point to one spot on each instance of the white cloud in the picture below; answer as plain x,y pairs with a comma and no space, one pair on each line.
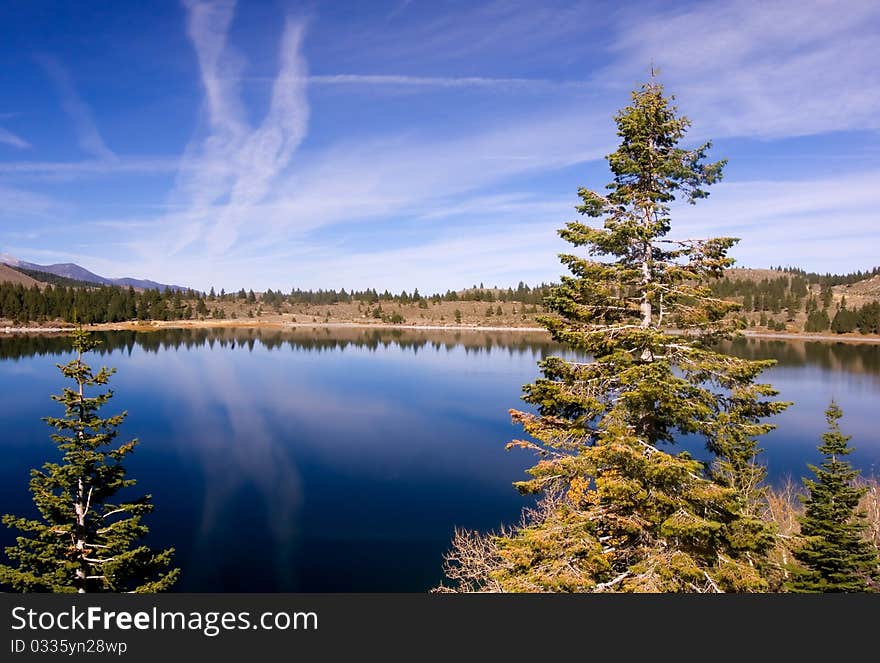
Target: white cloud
9,138
518,84
88,136
245,211
16,202
243,161
768,69
822,224
93,168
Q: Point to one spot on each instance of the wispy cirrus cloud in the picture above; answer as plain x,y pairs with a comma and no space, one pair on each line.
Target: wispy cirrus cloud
819,223
79,112
92,167
9,138
399,80
484,156
16,202
770,69
242,160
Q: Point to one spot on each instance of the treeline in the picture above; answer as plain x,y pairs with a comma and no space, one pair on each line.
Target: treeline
89,304
54,279
95,304
770,295
865,319
522,293
790,294
829,279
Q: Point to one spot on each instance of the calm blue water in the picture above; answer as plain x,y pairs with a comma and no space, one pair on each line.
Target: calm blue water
342,460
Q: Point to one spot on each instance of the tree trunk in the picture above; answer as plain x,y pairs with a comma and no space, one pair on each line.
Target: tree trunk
80,539
647,311
81,507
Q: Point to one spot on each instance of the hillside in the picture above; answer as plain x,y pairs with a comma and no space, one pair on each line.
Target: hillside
772,300
53,279
750,274
9,275
860,293
73,272
797,301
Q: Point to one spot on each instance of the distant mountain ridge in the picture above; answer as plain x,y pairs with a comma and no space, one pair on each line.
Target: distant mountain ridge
73,271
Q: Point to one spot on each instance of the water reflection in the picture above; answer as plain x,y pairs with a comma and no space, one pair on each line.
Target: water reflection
317,339
341,459
854,358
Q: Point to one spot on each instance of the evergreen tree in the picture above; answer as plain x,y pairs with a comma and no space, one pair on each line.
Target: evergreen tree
869,318
827,296
845,320
836,556
817,321
621,512
201,307
82,542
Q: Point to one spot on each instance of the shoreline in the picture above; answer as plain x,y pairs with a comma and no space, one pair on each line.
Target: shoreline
159,325
820,338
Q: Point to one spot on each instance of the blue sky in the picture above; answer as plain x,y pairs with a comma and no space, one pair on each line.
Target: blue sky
421,143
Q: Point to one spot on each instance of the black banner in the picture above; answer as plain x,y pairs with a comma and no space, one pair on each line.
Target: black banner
259,627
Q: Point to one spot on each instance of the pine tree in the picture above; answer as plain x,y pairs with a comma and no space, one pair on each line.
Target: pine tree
845,320
82,542
620,511
836,556
869,318
817,321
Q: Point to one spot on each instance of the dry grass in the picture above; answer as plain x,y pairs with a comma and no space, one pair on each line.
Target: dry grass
870,504
512,314
474,560
9,275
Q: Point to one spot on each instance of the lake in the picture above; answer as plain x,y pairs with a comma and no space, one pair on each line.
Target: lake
342,459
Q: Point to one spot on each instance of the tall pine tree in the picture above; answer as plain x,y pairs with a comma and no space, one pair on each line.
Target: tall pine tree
82,542
620,511
836,556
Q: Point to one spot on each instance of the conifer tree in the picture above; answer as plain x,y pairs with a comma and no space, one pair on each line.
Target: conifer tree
83,542
836,556
621,512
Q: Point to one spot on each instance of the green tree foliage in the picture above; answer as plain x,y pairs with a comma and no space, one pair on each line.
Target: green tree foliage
791,292
836,556
817,321
628,515
827,295
87,304
845,320
83,542
869,318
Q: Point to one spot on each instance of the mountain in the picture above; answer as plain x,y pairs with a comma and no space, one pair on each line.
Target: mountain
9,275
73,271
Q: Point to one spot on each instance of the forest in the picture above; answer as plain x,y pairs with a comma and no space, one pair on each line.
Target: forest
89,304
803,299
